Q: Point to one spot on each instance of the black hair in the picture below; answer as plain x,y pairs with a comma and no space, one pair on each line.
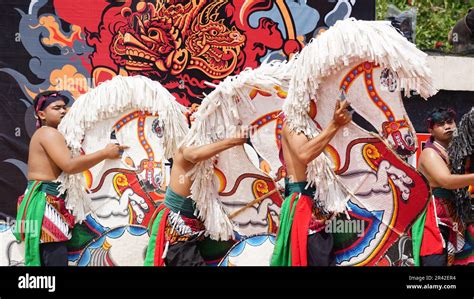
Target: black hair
439,115
44,99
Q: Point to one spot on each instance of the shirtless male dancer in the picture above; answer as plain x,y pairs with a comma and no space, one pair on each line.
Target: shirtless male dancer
175,230
436,226
43,222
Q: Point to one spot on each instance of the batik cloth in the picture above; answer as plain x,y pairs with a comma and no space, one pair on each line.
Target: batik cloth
465,256
41,204
173,224
299,217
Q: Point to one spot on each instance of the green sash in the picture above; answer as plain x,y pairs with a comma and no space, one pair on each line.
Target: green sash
282,251
30,218
417,237
177,203
153,229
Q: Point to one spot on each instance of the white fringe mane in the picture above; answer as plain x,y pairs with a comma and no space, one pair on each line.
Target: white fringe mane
110,99
333,50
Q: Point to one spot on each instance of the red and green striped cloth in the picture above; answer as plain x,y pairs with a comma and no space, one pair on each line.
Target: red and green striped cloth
292,238
156,245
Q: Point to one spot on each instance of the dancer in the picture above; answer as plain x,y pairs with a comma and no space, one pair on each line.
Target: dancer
301,239
436,227
175,230
43,221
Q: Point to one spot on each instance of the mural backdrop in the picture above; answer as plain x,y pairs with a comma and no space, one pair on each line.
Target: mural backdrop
75,45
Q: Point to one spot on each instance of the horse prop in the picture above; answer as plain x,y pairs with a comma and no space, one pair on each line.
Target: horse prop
385,195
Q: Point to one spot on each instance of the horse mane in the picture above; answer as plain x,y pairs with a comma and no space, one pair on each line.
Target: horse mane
339,46
219,112
110,99
342,44
460,150
350,39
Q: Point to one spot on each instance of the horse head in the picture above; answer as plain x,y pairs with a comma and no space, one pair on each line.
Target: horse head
247,194
131,111
371,71
364,62
139,179
374,93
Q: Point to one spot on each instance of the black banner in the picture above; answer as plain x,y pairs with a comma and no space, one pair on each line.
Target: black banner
247,282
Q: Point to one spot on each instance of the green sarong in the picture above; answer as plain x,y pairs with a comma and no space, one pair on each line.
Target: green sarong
29,218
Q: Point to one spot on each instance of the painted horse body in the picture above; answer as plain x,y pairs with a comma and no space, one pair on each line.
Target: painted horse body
389,193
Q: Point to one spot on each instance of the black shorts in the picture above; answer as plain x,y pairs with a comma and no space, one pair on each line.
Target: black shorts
321,249
437,260
53,254
185,253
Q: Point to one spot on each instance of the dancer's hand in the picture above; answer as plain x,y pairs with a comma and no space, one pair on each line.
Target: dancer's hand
114,151
342,116
240,135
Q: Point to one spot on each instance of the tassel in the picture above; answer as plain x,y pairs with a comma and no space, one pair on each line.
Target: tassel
165,251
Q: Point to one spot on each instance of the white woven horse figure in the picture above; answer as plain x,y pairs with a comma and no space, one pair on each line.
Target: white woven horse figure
366,64
260,215
248,198
141,114
386,193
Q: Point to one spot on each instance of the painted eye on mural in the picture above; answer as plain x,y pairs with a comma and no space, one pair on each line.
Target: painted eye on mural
153,33
235,36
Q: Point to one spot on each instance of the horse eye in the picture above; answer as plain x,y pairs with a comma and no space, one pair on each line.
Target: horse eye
409,140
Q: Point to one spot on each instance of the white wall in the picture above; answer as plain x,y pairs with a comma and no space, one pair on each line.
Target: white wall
452,72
